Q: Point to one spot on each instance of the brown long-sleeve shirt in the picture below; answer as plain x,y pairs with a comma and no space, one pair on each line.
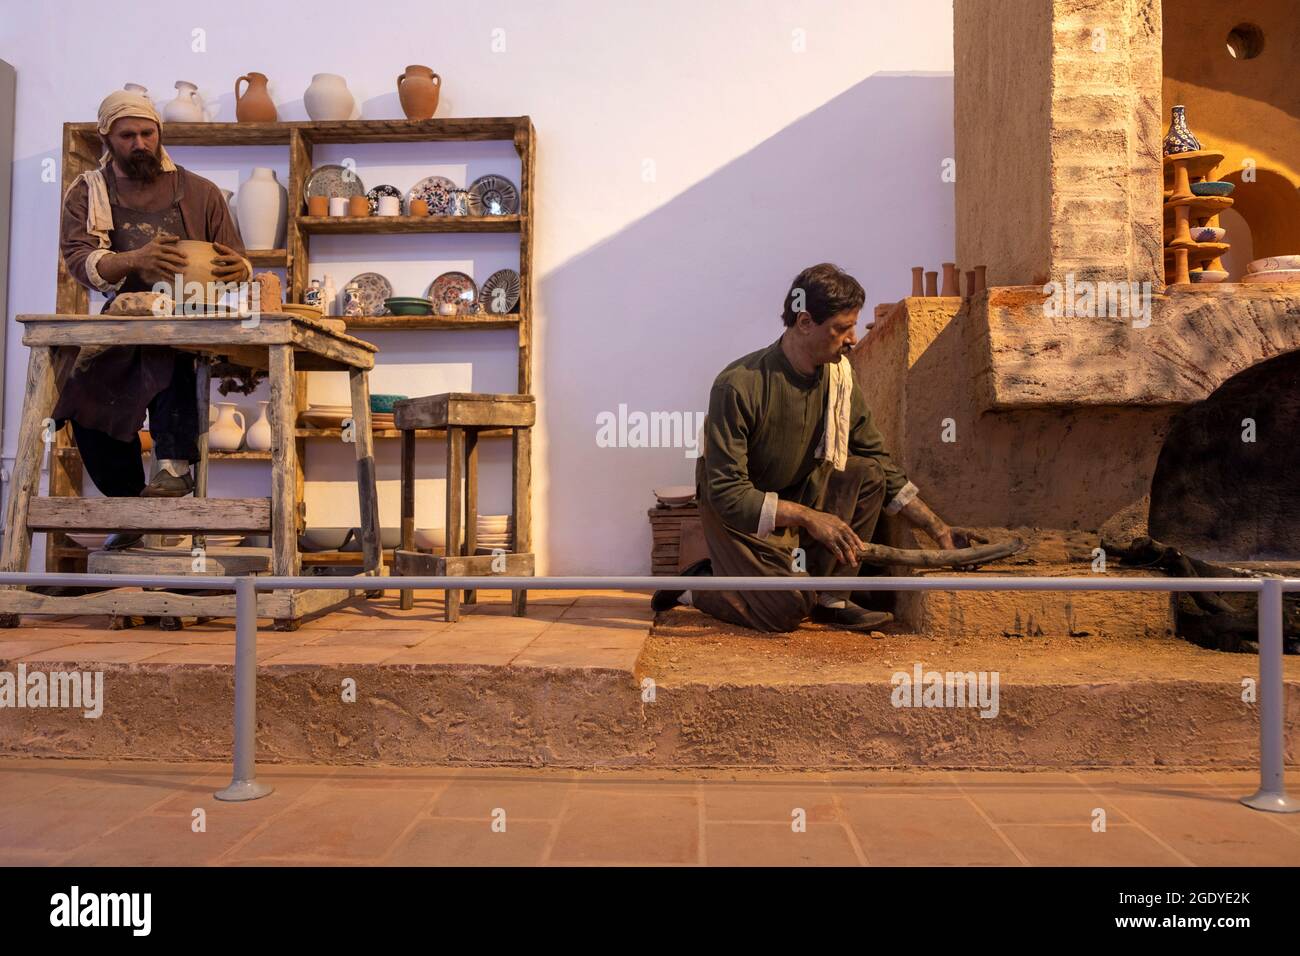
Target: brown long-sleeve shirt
204,211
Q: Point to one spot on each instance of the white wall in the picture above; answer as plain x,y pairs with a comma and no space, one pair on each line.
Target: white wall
691,160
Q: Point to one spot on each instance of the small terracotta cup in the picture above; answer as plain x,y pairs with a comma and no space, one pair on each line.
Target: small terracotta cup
419,207
358,206
318,205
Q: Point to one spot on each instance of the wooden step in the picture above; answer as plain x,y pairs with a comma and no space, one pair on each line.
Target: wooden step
251,515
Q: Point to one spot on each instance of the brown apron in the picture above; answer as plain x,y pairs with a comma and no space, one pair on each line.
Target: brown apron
113,392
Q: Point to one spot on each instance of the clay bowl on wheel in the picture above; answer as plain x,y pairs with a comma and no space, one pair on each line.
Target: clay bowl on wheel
199,266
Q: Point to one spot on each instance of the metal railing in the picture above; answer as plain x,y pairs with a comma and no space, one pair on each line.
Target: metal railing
1270,796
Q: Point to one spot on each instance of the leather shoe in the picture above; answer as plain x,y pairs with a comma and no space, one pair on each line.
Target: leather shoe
667,600
850,617
122,540
167,485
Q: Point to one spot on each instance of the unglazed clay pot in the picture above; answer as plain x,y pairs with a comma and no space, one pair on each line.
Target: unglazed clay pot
187,107
259,433
418,89
256,105
328,98
227,432
263,209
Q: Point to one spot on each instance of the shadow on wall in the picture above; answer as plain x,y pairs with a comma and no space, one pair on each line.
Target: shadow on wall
647,318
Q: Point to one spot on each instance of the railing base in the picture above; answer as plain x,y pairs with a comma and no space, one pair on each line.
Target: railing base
241,790
1272,802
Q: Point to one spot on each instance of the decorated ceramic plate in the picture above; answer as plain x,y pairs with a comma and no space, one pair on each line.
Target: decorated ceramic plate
332,181
453,288
1274,264
436,191
1277,275
372,196
374,290
500,292
493,195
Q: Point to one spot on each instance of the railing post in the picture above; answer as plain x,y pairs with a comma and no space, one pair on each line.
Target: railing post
243,783
1272,704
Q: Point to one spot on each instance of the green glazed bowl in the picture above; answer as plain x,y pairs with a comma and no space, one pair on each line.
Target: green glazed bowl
408,305
383,404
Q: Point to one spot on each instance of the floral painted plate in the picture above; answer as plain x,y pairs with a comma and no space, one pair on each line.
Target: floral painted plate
456,289
372,196
436,191
333,181
374,290
493,196
500,292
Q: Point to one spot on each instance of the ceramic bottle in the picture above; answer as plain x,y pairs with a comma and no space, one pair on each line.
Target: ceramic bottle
262,209
1179,139
259,433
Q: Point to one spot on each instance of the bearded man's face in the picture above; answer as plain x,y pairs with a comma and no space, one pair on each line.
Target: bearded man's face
136,145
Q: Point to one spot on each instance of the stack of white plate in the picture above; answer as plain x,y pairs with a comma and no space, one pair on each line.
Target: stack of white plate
1274,269
495,531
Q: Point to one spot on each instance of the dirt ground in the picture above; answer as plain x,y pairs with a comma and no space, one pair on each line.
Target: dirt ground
686,646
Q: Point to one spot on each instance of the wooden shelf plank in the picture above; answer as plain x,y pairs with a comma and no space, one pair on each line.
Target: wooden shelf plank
268,258
396,433
246,455
402,225
252,515
485,320
451,129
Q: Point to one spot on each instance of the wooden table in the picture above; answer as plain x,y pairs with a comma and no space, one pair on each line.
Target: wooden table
279,343
464,415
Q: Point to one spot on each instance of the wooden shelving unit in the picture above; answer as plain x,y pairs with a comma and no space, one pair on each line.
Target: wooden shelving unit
81,151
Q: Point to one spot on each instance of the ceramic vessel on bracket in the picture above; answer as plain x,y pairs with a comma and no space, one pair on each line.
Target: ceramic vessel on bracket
328,98
1179,139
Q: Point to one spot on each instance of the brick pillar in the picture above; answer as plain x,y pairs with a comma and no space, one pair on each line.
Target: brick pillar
1058,128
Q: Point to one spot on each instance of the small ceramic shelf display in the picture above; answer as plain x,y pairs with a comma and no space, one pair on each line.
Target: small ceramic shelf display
1193,238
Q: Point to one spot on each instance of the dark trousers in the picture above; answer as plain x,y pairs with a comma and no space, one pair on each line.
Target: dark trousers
115,466
855,494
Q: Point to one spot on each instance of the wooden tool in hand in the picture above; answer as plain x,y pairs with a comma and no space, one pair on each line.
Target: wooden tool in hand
940,557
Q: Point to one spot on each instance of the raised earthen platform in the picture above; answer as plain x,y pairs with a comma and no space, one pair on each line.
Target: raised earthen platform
587,680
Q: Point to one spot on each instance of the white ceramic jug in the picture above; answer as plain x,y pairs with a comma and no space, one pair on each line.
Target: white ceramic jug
227,432
328,98
262,210
259,433
187,107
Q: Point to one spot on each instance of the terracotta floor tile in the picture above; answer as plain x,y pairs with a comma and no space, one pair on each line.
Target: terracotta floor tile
619,615
9,857
427,780
478,796
578,658
498,624
330,654
222,654
337,823
378,615
99,652
1119,845
1215,830
935,783
772,803
472,843
200,793
611,826
19,783
396,638
69,815
592,634
1044,806
166,840
540,612
910,830
634,599
454,647
775,844
13,649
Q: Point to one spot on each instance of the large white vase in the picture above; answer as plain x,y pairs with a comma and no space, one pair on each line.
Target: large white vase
262,209
328,98
259,433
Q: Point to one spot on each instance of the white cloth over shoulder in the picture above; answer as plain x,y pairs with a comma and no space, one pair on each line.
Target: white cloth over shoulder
834,446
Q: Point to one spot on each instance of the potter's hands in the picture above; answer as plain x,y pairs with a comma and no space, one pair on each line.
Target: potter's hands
159,261
834,534
956,538
229,266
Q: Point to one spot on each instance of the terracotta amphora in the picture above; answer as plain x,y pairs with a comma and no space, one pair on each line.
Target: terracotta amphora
418,90
256,105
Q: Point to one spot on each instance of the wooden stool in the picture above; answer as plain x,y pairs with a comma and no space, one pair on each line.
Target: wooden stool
465,416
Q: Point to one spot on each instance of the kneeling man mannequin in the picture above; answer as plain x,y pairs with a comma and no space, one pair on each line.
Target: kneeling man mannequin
792,459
